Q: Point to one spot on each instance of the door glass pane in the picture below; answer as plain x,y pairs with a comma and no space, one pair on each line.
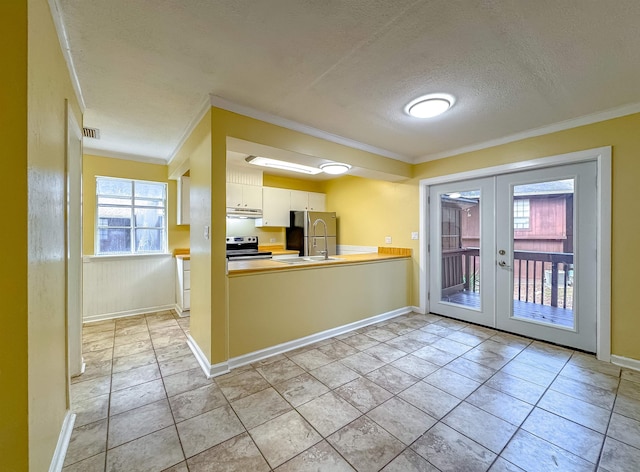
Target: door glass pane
460,248
543,254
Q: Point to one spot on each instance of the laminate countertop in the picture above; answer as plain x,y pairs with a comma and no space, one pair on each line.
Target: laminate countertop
245,267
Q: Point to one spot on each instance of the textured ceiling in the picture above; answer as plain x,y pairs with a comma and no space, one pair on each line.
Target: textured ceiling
145,67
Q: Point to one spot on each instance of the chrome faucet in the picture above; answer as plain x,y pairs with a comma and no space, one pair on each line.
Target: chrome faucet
326,244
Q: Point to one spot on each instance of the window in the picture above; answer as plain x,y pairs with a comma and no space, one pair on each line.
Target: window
521,214
131,216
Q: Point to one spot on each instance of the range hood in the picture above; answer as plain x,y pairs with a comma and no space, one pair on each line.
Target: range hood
244,213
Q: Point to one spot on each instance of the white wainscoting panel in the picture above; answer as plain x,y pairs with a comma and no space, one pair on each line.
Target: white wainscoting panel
116,286
347,249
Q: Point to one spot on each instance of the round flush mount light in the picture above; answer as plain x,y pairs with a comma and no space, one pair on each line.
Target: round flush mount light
335,168
429,106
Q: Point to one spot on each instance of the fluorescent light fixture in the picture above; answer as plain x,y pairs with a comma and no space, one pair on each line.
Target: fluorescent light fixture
335,168
430,105
282,165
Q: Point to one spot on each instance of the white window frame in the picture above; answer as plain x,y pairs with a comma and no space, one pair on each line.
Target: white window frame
133,227
521,212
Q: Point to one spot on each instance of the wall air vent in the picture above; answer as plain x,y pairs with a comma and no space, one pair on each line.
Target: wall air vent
93,133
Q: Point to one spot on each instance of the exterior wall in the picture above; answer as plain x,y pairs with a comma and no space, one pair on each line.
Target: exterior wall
49,87
622,135
108,167
14,394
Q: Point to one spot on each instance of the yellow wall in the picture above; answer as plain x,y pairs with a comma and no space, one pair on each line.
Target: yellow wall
14,420
624,136
108,167
288,305
279,181
49,86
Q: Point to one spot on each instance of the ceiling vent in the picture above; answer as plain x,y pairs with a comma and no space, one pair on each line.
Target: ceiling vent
93,133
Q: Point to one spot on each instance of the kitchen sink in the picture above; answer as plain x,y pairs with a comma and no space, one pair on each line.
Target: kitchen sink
306,260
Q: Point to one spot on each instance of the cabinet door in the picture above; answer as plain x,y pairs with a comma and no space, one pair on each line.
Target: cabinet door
299,200
275,207
183,207
251,196
317,201
234,195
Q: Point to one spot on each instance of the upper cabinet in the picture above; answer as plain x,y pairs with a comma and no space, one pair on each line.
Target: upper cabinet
183,213
241,196
311,201
275,211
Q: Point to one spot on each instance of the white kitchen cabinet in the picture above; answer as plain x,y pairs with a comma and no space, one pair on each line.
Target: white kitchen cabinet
311,201
183,286
275,207
183,212
241,196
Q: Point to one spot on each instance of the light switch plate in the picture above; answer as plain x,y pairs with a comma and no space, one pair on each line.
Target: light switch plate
387,239
206,232
414,235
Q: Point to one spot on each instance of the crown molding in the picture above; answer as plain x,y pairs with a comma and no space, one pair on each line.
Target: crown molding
560,126
220,102
56,15
203,108
122,155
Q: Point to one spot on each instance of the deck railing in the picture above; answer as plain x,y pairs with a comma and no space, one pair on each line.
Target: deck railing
545,278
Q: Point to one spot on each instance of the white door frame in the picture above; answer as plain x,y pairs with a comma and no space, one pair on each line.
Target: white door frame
602,157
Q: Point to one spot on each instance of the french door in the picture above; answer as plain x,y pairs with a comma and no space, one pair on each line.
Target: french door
518,252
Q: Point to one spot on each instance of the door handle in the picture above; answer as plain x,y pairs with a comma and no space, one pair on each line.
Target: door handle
504,265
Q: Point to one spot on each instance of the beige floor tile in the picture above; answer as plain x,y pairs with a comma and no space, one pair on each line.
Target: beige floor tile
88,338
311,359
365,445
500,404
241,385
602,397
133,348
136,396
630,375
181,467
406,344
402,420
590,377
470,369
139,422
363,394
335,374
409,461
361,342
567,435
201,432
98,345
153,452
284,437
301,389
90,410
434,355
135,376
385,353
576,410
504,349
319,457
87,441
185,381
381,334
169,352
141,359
516,387
92,464
486,358
132,338
93,370
391,379
238,454
532,453
589,361
337,350
449,450
484,428
530,373
465,337
260,407
89,389
362,363
102,355
619,457
280,370
328,413
502,465
626,430
453,383
415,366
197,401
431,400
178,364
541,360
132,329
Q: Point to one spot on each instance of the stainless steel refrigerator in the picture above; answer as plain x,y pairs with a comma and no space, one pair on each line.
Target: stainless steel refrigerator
312,232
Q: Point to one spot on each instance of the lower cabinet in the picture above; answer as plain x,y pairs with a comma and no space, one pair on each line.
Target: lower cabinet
183,286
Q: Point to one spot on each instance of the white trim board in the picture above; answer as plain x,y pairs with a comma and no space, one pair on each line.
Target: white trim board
214,370
124,314
348,249
89,150
627,362
602,156
59,454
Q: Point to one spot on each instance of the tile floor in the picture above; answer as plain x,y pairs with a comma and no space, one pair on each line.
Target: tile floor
417,393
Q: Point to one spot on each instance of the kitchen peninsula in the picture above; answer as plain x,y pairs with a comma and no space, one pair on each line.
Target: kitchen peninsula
274,304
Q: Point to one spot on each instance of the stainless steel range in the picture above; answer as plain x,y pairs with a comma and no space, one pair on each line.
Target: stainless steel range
245,247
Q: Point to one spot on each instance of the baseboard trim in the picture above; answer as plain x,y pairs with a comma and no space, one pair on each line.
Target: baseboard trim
210,370
123,314
313,338
181,313
63,442
627,362
419,310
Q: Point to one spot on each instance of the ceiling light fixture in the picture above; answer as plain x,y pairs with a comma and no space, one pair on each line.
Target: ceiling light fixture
335,168
429,106
282,165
